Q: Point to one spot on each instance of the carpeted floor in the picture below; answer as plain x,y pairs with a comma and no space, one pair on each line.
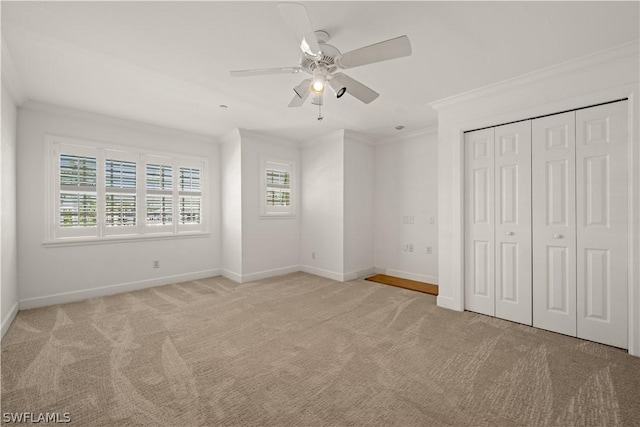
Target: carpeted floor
303,350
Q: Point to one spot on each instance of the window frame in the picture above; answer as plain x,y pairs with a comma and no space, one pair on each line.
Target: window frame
267,211
55,145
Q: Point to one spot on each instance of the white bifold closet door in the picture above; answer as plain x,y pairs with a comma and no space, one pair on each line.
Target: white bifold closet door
580,210
498,222
602,236
554,223
479,222
513,222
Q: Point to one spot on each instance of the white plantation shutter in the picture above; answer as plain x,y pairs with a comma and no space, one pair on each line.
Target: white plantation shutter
159,195
77,202
190,195
276,188
120,193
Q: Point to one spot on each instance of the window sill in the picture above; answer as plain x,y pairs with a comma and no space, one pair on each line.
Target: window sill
276,216
86,241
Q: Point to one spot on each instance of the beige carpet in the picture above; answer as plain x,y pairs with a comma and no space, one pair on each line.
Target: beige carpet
302,350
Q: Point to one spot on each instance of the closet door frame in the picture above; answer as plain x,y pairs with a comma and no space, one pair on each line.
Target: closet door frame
505,104
630,94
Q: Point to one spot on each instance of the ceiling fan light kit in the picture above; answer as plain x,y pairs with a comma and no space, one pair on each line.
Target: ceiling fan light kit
338,88
322,61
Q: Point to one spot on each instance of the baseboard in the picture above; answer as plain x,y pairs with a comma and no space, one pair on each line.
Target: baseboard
412,276
8,319
448,302
322,273
358,274
269,273
66,297
232,275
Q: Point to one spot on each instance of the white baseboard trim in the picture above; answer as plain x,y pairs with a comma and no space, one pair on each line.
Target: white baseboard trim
322,273
448,302
8,319
412,276
379,270
66,297
358,274
232,275
269,273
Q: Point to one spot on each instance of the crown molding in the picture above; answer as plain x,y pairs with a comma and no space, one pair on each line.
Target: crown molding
72,113
619,53
11,77
407,135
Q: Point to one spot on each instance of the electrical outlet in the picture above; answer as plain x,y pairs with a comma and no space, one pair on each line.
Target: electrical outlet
429,250
410,247
432,220
313,255
156,264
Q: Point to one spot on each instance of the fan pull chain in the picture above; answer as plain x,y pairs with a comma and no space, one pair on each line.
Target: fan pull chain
320,112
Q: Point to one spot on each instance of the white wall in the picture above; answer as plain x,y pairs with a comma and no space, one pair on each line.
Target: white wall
322,207
406,185
49,275
8,249
601,77
270,246
358,206
231,200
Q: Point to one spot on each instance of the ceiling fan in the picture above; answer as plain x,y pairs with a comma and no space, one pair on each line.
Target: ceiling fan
323,61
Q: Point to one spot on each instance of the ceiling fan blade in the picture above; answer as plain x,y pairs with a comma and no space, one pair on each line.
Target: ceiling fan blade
296,101
302,92
383,51
297,18
265,71
356,89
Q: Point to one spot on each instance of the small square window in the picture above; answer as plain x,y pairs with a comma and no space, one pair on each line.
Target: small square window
277,188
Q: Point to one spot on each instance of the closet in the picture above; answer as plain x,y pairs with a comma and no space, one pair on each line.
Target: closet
546,205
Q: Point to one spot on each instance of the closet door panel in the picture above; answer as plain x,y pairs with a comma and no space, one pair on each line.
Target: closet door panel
513,222
554,224
601,192
479,222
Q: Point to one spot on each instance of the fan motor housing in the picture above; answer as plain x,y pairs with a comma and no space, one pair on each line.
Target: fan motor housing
327,60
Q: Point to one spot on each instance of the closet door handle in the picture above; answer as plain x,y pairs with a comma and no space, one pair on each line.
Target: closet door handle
509,233
557,236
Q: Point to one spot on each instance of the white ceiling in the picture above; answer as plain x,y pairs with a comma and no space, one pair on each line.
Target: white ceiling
168,63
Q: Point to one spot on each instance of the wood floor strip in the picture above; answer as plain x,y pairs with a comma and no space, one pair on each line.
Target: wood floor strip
413,285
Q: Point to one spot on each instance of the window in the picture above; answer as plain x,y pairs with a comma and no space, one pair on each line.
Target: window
276,188
106,192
